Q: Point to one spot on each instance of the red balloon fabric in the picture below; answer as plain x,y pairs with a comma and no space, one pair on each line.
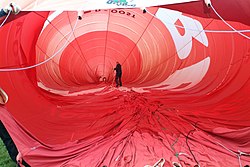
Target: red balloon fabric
185,94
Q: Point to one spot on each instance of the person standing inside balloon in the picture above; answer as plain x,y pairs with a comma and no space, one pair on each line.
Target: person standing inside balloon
118,75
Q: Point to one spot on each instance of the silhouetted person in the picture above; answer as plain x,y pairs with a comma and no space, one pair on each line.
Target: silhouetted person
118,75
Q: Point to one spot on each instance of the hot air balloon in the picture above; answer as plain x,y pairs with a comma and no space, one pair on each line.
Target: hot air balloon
185,73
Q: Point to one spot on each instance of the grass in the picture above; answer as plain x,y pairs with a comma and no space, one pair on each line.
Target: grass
5,160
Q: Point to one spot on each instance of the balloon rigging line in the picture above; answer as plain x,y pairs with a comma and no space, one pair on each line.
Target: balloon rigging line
177,154
5,19
60,33
45,61
137,41
227,68
208,31
229,24
55,62
238,155
106,41
79,46
186,136
177,50
190,148
190,41
16,69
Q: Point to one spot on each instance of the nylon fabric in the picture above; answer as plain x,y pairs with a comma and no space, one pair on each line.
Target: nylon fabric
185,94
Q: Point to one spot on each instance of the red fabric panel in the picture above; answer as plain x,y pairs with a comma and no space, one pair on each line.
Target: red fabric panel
185,96
225,9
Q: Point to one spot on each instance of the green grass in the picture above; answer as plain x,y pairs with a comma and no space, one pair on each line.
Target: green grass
5,160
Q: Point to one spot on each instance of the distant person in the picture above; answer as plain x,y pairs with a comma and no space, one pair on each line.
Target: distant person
118,75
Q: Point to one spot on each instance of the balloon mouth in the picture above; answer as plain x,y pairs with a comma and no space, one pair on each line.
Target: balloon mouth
90,59
91,54
147,55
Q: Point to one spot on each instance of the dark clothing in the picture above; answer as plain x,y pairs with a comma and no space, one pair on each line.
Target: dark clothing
2,13
118,69
118,75
118,80
9,144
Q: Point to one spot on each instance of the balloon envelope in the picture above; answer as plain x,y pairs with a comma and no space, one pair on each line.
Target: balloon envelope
185,94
